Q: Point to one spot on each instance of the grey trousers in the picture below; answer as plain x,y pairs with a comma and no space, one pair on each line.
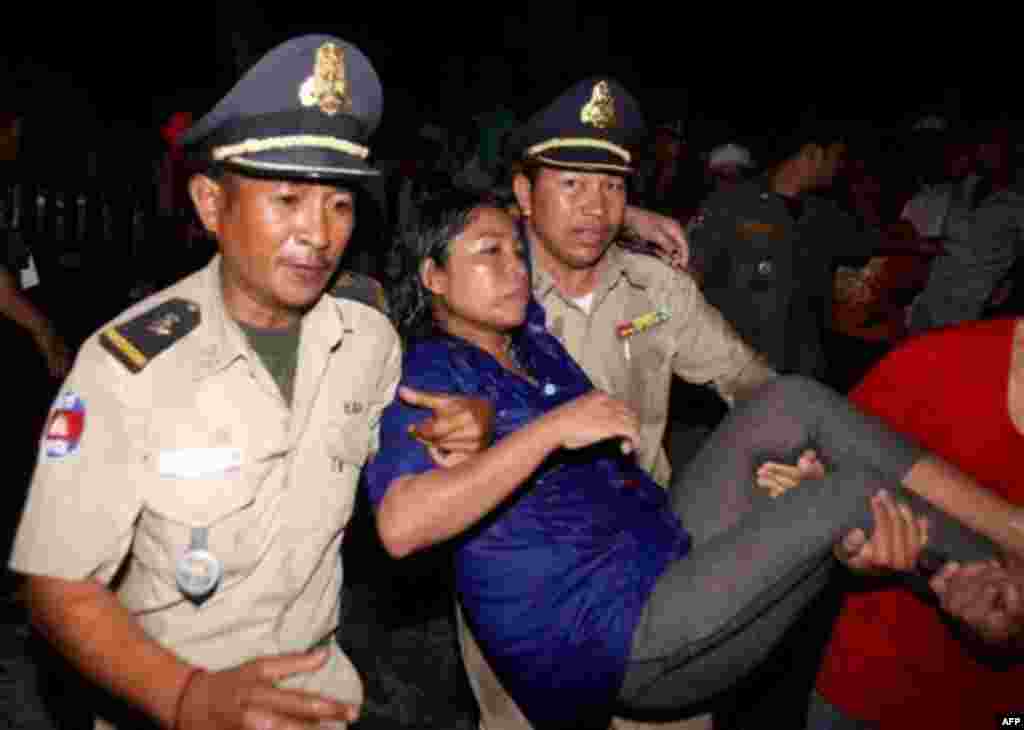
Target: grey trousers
756,562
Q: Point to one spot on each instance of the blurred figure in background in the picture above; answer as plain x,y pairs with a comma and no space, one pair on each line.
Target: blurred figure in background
983,233
728,165
765,249
671,180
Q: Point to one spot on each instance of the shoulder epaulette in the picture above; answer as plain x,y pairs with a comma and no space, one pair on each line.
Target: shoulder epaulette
361,288
136,342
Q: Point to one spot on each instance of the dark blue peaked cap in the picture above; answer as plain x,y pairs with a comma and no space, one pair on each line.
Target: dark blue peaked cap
592,127
306,110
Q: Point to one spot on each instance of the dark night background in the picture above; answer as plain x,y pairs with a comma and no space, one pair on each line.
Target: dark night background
85,71
96,81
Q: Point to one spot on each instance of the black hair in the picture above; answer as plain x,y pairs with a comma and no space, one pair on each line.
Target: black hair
528,167
438,220
213,170
809,130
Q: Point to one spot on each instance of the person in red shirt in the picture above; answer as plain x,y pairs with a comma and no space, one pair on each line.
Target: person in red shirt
893,660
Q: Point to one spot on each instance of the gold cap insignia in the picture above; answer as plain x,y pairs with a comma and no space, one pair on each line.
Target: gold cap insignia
600,110
327,87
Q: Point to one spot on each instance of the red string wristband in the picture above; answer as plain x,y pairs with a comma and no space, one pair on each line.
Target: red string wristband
192,674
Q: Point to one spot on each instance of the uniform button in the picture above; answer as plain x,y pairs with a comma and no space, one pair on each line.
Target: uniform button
550,389
765,268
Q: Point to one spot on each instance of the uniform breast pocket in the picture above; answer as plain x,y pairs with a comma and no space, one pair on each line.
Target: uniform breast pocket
347,448
348,444
226,513
647,393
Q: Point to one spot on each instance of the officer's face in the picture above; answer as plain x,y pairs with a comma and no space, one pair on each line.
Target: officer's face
281,242
573,215
482,288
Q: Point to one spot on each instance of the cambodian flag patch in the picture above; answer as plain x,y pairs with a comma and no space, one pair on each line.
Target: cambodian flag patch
65,427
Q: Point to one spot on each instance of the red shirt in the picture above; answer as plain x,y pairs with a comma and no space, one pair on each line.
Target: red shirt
891,659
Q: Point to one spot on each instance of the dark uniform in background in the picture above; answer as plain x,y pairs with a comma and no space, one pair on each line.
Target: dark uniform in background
767,262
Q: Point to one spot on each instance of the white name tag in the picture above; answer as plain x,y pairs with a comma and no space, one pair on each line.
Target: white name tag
195,463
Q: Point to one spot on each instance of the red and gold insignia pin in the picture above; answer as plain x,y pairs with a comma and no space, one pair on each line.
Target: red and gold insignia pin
643,322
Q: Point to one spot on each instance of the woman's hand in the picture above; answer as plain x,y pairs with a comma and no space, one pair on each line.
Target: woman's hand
780,478
595,417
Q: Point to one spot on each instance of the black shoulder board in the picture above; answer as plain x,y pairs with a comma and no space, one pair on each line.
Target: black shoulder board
139,340
361,288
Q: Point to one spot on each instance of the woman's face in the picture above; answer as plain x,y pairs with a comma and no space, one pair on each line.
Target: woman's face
483,288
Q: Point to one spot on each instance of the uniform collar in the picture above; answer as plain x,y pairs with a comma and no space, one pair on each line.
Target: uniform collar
622,265
223,341
617,266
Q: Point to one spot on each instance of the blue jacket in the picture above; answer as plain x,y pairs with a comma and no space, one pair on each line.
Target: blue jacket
554,580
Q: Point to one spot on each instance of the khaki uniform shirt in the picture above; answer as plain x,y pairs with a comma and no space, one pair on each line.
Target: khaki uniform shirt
202,438
695,342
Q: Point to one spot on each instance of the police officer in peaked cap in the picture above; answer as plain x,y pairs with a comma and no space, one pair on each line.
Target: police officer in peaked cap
207,443
574,160
591,126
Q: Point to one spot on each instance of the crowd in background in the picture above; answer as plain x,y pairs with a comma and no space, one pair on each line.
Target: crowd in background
919,175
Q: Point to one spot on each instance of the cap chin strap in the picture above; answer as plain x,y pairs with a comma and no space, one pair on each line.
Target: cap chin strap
595,166
287,142
600,144
285,167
